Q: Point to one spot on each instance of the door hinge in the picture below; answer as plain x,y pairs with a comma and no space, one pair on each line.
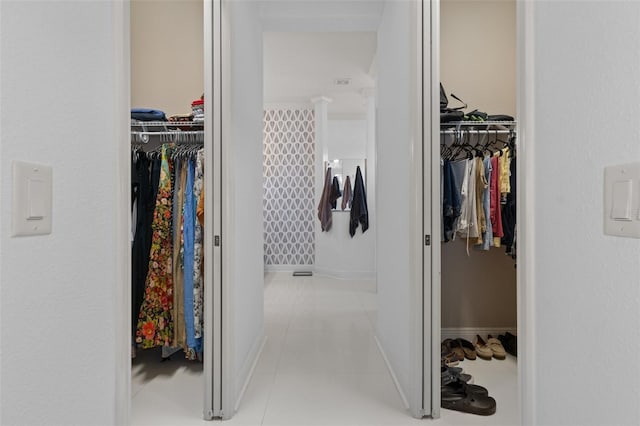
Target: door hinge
216,240
427,240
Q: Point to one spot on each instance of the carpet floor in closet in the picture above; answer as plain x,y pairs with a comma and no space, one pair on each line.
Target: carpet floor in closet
320,366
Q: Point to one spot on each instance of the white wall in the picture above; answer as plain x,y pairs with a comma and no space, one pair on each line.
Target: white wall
393,189
247,276
58,292
587,284
337,253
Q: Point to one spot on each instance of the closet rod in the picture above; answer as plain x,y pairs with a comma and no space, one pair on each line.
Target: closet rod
477,131
195,136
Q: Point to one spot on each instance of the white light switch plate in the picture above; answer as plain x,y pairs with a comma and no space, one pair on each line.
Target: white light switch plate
622,200
31,209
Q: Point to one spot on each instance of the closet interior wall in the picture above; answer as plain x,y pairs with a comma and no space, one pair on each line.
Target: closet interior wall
478,64
167,54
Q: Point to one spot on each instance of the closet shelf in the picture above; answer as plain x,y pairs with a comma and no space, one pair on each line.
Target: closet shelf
478,127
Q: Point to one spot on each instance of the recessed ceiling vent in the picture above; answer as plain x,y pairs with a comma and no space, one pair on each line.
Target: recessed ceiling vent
343,81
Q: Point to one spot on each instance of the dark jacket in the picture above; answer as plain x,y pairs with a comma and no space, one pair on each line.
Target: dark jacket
359,209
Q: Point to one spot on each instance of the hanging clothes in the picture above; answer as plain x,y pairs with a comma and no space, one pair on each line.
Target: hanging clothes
451,201
188,258
494,200
509,211
324,207
155,325
180,333
481,186
198,281
359,211
347,194
335,193
487,236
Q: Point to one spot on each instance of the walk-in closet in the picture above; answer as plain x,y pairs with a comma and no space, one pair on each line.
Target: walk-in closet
478,139
167,194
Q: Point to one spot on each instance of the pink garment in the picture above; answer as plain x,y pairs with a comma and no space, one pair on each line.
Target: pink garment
324,207
494,200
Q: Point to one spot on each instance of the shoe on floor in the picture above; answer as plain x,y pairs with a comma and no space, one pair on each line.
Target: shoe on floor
467,401
468,349
455,347
510,343
482,349
453,374
496,347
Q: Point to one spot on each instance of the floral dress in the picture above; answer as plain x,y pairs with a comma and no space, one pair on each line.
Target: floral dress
198,282
155,325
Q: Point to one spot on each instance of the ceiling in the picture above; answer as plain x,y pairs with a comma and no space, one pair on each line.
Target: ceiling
308,44
302,66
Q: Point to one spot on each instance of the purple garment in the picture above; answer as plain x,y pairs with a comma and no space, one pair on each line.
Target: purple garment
324,207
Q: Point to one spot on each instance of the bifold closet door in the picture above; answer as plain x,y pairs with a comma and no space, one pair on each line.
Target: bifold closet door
213,211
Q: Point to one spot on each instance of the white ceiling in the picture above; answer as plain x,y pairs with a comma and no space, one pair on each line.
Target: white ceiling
301,66
310,43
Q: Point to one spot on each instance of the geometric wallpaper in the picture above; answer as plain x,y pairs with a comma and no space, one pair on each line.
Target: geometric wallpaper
289,178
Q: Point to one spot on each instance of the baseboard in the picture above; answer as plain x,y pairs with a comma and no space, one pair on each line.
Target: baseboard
405,401
249,367
326,272
345,275
469,333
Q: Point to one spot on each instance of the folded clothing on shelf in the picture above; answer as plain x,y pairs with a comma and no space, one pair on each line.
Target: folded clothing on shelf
147,114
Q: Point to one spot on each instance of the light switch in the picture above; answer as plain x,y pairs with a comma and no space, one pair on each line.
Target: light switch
31,209
621,200
36,199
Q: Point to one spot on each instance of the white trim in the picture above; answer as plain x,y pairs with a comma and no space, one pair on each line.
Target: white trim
405,402
525,214
122,207
432,340
249,366
288,268
287,105
416,218
346,275
469,333
227,219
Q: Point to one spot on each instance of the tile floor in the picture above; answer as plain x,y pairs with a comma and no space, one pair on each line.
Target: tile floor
320,366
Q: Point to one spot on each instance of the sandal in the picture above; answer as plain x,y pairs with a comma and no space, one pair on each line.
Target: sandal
496,348
459,386
467,401
452,374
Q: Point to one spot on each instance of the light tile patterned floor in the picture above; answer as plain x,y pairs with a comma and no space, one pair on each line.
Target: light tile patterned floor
320,366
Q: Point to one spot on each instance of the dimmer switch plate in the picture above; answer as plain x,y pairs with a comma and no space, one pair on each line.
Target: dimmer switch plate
622,200
31,210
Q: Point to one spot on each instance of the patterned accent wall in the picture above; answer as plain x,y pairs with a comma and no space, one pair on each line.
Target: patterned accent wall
288,170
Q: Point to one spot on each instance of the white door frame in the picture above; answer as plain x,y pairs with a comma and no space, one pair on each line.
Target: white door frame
431,206
525,199
214,192
525,220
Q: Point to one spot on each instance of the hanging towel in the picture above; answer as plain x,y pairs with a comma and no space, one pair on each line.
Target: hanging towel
359,210
347,194
335,193
324,207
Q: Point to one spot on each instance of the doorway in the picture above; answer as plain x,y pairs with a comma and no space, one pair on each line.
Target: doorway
398,126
